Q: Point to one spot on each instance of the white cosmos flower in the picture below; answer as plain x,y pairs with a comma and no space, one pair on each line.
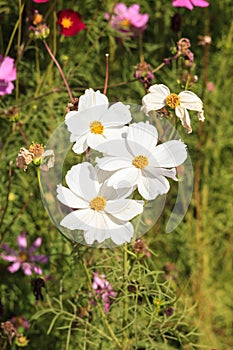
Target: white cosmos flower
159,96
139,162
99,210
95,122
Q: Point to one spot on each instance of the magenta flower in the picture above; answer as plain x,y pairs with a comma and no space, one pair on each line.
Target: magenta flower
40,1
25,258
189,4
128,20
7,75
103,289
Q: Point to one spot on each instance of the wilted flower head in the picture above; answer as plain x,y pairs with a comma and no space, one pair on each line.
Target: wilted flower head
183,46
128,20
21,341
7,75
36,155
189,4
140,247
70,22
38,28
24,158
25,257
103,289
9,330
144,73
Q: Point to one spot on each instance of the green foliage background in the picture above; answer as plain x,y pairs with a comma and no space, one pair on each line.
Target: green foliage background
200,248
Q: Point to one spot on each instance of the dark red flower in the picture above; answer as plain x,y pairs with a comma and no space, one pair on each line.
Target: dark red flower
70,22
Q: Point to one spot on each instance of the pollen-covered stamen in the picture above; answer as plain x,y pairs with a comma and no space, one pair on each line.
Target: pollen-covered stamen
173,100
140,161
66,22
98,203
96,127
126,23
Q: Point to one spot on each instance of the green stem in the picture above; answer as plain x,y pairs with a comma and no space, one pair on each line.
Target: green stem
13,32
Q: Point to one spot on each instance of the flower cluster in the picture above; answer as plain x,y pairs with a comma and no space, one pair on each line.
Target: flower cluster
38,28
36,155
103,289
128,20
132,160
7,75
25,258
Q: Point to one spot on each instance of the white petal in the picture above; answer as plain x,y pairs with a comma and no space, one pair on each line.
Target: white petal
123,234
111,193
117,114
155,99
160,89
191,101
127,177
80,145
67,197
95,234
157,172
113,163
116,148
82,180
70,114
169,154
143,134
81,219
183,114
91,98
94,140
150,187
115,133
124,209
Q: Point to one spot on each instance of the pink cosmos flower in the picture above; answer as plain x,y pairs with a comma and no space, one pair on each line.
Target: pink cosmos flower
7,75
40,1
189,4
25,258
128,20
104,289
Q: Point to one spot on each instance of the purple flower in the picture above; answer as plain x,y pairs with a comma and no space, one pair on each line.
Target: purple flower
7,75
20,322
25,258
103,289
128,20
189,4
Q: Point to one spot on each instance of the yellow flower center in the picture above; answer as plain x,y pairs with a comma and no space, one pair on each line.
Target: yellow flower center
98,203
173,100
23,257
126,23
66,22
96,127
140,162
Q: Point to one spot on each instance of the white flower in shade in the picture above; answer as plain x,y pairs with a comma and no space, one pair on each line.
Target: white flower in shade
99,210
140,162
160,96
95,121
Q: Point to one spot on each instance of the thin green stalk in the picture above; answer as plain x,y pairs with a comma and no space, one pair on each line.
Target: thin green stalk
18,48
14,31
